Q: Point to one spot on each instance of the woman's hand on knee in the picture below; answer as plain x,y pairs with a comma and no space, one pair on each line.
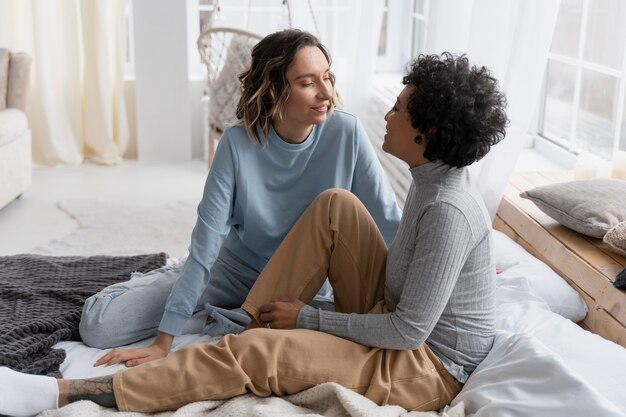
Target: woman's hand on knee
281,314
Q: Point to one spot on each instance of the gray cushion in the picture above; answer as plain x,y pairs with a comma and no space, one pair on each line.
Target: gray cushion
591,207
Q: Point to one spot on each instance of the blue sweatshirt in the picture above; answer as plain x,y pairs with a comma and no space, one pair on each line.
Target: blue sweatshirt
253,196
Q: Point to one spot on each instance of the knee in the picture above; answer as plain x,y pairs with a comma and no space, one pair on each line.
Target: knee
94,334
337,195
254,345
95,328
339,203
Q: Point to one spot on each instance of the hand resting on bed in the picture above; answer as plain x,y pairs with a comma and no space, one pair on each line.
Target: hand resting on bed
137,356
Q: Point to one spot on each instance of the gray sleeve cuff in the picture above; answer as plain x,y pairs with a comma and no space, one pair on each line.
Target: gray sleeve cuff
308,318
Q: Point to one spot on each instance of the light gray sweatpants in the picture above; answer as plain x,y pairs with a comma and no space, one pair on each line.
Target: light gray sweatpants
130,311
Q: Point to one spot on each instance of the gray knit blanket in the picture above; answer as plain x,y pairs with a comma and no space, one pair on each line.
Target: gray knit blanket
41,300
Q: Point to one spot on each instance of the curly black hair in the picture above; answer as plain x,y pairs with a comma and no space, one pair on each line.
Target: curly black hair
462,102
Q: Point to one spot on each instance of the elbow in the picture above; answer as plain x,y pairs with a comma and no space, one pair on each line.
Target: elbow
408,344
400,343
409,336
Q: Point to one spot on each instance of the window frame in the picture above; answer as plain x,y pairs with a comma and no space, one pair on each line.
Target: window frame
401,19
580,64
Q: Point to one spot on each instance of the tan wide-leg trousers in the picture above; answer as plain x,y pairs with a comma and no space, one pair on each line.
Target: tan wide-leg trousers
335,237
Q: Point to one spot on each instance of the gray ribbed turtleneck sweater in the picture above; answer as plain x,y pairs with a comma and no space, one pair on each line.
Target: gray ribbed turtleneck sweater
440,277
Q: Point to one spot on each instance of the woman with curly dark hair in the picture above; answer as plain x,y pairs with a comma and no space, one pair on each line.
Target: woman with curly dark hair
456,107
411,322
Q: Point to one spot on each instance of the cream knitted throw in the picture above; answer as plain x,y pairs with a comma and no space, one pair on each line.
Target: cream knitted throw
328,400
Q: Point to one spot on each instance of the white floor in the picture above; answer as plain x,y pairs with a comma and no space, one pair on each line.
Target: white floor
34,219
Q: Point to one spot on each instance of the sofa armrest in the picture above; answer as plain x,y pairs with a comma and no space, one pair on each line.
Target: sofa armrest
19,81
4,76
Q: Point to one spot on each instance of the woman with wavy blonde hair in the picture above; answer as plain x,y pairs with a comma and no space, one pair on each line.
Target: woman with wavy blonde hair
265,84
287,146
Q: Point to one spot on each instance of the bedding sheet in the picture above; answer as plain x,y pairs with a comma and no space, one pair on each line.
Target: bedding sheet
597,362
327,400
80,357
542,364
521,377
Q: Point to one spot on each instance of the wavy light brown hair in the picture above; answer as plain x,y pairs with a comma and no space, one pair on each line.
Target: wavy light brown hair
265,85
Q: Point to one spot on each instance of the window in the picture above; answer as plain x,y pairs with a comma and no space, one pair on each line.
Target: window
402,37
418,23
205,10
382,42
399,19
256,16
583,102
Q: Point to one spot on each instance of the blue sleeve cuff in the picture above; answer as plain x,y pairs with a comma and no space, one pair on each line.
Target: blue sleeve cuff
172,323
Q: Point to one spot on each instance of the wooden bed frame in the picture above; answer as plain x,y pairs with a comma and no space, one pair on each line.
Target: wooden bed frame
586,263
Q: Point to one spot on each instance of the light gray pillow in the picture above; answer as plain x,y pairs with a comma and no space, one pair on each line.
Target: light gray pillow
591,207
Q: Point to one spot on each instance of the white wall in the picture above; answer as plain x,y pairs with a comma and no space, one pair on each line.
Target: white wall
197,118
162,90
131,114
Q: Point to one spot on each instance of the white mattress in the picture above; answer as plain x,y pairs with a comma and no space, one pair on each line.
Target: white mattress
80,358
541,365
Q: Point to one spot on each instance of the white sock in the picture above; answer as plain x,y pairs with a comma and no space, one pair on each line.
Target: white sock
23,395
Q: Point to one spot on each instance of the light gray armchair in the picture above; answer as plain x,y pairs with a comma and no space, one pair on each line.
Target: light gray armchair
15,135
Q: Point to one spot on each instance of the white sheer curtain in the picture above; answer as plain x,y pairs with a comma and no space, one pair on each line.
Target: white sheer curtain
348,28
512,38
78,47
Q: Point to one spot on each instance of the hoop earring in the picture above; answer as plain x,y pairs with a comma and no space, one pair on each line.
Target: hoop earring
418,139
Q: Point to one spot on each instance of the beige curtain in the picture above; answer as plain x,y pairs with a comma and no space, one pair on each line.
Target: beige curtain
77,109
